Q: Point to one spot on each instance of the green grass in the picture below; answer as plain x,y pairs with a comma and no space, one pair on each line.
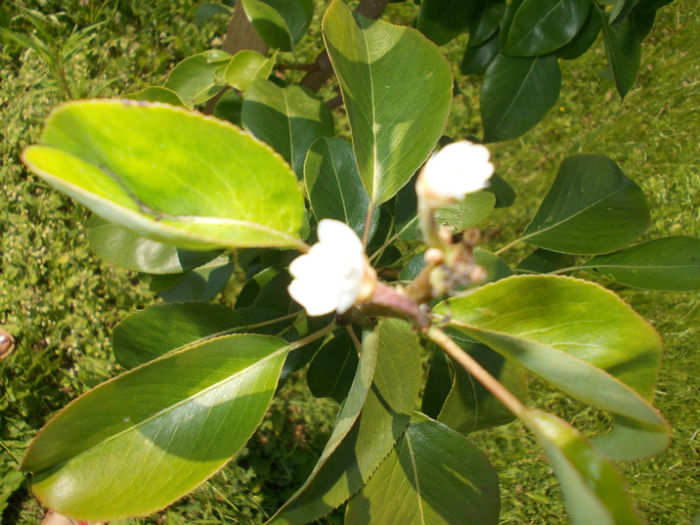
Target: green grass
61,302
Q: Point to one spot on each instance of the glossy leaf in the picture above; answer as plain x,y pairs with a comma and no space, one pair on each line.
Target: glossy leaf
542,26
199,284
443,20
393,129
288,119
119,246
594,492
157,94
487,24
591,208
469,406
333,183
623,49
544,261
195,78
516,94
147,334
670,263
169,175
247,66
584,39
433,475
470,211
138,442
331,372
359,444
477,59
576,335
280,23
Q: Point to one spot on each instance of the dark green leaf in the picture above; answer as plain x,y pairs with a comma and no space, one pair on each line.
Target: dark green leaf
593,490
542,26
170,175
468,405
394,129
504,192
119,246
281,23
516,94
443,20
331,372
433,475
355,452
413,267
476,60
194,79
138,442
584,39
578,336
200,284
209,10
591,208
288,119
437,386
671,263
333,183
228,107
487,24
150,333
544,261
623,49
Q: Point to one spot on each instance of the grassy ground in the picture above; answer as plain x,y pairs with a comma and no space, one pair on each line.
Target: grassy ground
61,303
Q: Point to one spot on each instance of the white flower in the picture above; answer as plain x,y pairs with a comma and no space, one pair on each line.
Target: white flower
334,274
457,169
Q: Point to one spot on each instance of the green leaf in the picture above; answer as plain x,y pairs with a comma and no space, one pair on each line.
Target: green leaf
594,492
433,475
247,66
148,334
471,210
516,94
195,78
119,246
443,20
138,442
288,119
670,263
280,23
496,268
170,175
487,25
333,183
229,107
207,11
584,39
591,208
476,59
542,26
199,284
393,129
331,372
504,192
544,261
157,94
469,406
438,384
576,335
623,47
359,444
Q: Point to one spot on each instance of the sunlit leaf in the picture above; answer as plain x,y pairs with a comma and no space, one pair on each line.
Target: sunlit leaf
138,442
195,78
170,175
394,129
